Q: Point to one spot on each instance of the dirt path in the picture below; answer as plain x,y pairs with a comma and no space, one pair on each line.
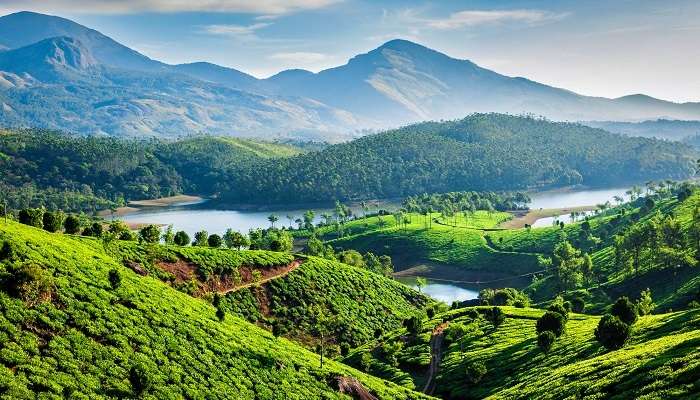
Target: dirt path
435,356
279,274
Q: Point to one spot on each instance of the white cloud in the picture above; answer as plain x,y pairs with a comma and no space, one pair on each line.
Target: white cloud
469,18
234,30
268,7
299,58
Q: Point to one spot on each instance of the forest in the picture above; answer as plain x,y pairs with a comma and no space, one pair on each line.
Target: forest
483,152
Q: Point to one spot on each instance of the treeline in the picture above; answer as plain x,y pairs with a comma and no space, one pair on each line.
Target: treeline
483,152
466,201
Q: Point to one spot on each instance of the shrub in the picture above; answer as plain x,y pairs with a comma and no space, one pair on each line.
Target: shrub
32,217
578,304
475,371
496,316
115,278
150,234
215,241
612,332
140,378
71,225
53,221
182,238
545,340
430,312
413,325
625,310
559,308
32,284
551,321
94,230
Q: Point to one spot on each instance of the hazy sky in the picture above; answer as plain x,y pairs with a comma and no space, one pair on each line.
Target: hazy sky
602,48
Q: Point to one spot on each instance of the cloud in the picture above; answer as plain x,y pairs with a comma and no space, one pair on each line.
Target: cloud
469,18
234,30
267,7
299,57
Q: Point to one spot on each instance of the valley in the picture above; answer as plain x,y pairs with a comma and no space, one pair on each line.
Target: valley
358,216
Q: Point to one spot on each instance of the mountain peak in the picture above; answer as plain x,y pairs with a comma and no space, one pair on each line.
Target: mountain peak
403,45
65,52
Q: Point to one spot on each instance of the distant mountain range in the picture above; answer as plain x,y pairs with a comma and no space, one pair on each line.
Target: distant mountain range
57,74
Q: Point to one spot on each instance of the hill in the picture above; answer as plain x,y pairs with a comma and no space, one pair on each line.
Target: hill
480,152
394,84
661,128
68,332
292,297
59,171
659,360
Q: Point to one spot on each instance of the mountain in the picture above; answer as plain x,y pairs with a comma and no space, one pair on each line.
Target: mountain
397,83
676,130
403,82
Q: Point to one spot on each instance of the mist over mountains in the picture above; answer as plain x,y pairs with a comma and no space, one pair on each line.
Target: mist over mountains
58,74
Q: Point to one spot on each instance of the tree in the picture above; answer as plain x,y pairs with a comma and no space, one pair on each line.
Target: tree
545,340
421,283
182,238
95,230
115,278
611,332
71,225
645,304
625,310
119,229
150,234
235,239
169,235
309,219
214,241
569,263
32,217
201,238
496,316
553,322
351,257
53,221
272,218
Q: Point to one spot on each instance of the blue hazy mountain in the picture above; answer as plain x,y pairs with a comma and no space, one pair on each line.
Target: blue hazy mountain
59,74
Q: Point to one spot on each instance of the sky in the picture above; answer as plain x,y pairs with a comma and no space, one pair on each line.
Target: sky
601,48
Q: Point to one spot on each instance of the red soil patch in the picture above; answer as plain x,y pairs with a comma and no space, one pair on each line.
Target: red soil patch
182,270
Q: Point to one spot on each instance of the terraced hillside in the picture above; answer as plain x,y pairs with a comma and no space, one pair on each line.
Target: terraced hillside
76,323
660,359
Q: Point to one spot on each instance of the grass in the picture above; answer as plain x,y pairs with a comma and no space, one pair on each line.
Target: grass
417,242
89,340
659,361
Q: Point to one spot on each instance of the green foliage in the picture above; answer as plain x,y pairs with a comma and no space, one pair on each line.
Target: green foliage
503,297
95,230
545,340
214,241
235,239
32,217
413,325
53,221
71,225
150,234
147,340
551,321
115,278
625,310
645,304
496,316
181,238
201,238
475,372
612,332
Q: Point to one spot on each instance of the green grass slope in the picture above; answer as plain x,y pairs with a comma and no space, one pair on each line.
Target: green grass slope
66,333
359,301
660,360
463,246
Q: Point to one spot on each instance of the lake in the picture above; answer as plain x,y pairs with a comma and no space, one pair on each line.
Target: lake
575,197
445,292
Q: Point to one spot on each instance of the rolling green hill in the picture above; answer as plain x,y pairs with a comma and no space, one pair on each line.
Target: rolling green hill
659,361
351,303
480,152
69,330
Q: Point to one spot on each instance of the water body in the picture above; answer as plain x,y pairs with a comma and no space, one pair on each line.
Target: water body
572,198
445,292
